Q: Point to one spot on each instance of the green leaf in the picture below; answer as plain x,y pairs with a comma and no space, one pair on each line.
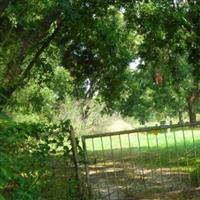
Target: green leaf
2,198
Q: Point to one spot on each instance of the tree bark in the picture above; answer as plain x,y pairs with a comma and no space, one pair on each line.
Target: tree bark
192,105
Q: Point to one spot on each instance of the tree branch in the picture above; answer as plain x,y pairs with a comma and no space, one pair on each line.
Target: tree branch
4,4
6,93
27,71
30,42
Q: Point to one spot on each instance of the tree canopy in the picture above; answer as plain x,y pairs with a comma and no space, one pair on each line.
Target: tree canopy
84,48
88,39
168,52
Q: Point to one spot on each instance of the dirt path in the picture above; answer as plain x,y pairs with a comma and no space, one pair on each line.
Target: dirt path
144,186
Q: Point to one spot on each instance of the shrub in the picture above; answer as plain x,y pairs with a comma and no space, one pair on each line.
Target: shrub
24,150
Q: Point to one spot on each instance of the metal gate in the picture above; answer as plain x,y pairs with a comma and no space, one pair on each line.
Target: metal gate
139,162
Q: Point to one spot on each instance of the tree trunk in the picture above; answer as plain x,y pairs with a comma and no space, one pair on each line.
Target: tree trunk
192,112
180,116
192,105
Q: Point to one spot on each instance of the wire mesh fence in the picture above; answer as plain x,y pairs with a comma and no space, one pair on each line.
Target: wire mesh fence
143,161
60,179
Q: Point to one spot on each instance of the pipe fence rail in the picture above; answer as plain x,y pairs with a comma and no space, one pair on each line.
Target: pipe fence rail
134,163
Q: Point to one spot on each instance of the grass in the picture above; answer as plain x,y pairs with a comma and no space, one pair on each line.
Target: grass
173,138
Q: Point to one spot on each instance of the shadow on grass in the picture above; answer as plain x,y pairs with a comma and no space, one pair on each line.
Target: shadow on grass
144,170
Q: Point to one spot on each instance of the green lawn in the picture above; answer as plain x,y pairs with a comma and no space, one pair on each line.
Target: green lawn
179,138
173,148
177,149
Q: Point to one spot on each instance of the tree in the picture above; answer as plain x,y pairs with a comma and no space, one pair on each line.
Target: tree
99,59
170,45
94,44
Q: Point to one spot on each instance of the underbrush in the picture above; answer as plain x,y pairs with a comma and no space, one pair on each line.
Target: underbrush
29,155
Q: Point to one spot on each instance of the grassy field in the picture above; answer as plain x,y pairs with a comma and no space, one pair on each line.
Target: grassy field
146,140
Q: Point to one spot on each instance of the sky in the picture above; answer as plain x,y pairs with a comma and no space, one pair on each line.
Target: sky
134,64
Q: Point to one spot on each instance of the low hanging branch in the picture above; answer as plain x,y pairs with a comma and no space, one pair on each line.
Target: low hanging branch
31,42
27,71
4,4
6,93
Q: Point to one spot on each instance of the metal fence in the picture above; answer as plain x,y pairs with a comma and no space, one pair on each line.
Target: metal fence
60,177
139,162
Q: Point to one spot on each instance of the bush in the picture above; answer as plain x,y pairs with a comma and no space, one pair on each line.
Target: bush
24,150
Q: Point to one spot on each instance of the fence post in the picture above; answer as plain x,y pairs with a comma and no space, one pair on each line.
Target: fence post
86,167
76,159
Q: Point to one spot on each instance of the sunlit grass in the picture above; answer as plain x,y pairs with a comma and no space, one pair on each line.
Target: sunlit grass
177,149
146,140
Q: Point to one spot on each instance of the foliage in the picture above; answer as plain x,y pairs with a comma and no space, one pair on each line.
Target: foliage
59,59
169,46
25,149
89,39
42,95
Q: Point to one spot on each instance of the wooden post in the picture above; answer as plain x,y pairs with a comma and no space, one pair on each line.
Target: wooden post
76,159
86,167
